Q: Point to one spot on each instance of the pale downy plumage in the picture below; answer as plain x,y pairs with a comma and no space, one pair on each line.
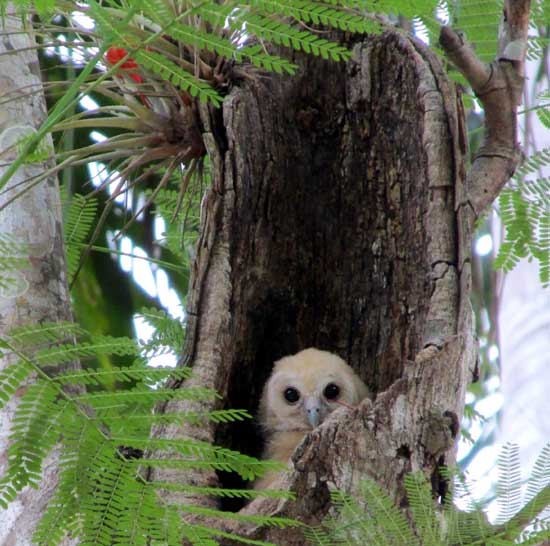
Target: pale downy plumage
303,389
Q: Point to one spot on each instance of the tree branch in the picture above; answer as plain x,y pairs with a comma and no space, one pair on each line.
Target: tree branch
499,88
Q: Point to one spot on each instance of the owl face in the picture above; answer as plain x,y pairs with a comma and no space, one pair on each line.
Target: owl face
306,387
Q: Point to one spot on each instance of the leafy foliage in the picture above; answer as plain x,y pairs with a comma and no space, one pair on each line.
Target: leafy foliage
101,495
79,217
373,518
157,58
525,213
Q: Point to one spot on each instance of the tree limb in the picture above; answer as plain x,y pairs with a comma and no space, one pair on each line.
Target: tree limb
499,88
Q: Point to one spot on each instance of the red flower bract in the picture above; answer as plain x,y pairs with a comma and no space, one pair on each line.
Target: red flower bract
115,54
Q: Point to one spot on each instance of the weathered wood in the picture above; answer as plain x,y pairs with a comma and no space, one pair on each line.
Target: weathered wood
331,223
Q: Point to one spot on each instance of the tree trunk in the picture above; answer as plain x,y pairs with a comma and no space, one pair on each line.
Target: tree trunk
37,293
332,222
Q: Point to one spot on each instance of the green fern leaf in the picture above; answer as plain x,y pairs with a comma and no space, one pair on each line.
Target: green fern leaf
393,523
146,375
35,430
64,353
422,508
12,378
317,14
225,493
35,335
78,220
169,332
194,417
107,400
171,72
275,521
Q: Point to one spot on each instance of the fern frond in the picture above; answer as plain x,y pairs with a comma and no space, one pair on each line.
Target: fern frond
148,375
391,520
275,521
318,536
171,72
273,30
195,417
354,522
61,515
33,335
35,430
158,10
539,478
231,537
525,213
533,163
64,353
317,14
273,63
169,332
422,508
248,467
203,40
12,378
107,400
220,458
78,220
111,477
225,493
300,40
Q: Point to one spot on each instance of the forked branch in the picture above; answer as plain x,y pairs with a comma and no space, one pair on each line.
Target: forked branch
499,88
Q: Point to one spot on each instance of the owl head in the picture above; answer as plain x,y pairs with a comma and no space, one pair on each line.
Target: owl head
306,387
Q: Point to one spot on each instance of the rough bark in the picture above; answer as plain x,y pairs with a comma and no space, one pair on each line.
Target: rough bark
341,217
39,292
331,223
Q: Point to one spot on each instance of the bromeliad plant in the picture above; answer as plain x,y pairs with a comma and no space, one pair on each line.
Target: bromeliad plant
153,64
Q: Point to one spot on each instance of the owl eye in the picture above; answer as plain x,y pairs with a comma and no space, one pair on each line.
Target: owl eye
331,391
291,395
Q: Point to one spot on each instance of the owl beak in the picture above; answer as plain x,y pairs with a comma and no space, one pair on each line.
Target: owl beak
312,407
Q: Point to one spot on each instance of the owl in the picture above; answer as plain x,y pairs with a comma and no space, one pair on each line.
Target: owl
302,391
